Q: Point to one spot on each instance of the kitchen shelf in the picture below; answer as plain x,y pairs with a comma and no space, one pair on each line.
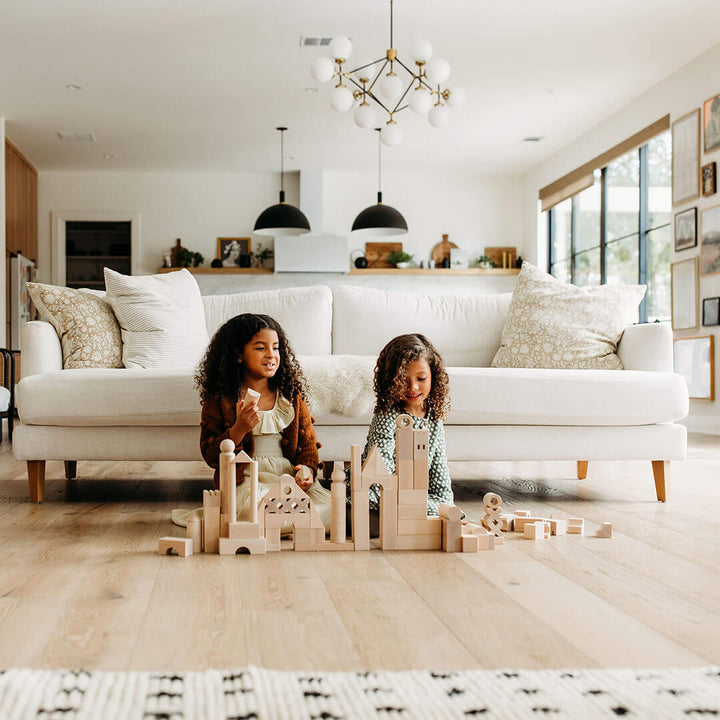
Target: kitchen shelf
434,271
220,271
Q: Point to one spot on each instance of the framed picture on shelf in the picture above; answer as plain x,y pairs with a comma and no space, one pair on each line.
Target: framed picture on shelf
710,241
686,158
711,124
711,311
230,251
694,359
684,294
708,179
686,229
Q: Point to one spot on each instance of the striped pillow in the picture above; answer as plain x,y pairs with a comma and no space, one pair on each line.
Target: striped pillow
161,319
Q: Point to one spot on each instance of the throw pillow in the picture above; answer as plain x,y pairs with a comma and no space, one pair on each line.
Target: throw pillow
88,331
552,324
161,318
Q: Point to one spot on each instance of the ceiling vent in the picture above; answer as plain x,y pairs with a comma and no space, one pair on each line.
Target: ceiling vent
532,139
76,136
314,41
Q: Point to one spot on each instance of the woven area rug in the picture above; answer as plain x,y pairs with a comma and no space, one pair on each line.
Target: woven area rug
255,694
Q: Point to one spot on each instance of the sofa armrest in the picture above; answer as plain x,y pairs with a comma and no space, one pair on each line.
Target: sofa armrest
647,346
41,351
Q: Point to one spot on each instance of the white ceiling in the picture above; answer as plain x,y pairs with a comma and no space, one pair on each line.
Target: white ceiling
200,85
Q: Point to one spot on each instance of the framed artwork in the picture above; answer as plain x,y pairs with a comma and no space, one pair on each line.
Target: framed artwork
711,124
708,179
694,359
230,250
710,239
686,229
684,294
711,311
686,158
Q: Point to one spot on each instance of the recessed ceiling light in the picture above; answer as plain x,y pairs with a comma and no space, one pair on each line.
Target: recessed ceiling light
73,87
532,139
109,157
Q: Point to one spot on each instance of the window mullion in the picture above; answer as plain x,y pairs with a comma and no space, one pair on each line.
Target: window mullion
573,236
643,221
603,223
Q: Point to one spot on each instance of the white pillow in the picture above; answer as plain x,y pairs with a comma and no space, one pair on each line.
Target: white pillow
552,324
161,319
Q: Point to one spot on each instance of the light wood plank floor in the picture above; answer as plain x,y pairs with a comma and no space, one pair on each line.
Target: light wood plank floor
82,585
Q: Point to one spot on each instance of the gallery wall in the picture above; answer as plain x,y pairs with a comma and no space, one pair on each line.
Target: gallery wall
679,94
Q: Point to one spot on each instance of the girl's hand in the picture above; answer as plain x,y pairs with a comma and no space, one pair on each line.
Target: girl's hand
304,477
246,419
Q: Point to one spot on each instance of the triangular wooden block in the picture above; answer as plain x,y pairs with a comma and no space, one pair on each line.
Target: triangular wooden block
375,463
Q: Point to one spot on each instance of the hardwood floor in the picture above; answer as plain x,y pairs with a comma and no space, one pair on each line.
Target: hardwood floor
82,585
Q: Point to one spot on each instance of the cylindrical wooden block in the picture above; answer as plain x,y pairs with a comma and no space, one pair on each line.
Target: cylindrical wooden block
194,531
227,477
254,492
337,505
449,512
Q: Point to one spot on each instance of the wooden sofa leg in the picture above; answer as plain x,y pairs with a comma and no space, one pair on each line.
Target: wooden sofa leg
36,479
661,473
71,469
582,469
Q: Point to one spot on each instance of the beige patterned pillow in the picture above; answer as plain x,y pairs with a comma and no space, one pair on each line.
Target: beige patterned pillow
555,325
86,325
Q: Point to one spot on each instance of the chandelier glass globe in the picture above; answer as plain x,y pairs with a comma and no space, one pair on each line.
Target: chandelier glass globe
391,134
322,69
365,116
437,71
340,47
390,87
420,101
439,116
421,51
341,99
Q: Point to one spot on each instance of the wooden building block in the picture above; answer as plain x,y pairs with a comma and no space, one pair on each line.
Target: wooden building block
421,474
308,539
604,531
486,542
412,497
175,546
575,526
252,396
508,522
469,543
557,527
420,444
411,512
423,526
451,535
405,470
537,531
255,546
338,506
272,540
194,531
471,528
420,542
520,522
243,530
404,442
360,520
211,521
389,517
451,512
521,513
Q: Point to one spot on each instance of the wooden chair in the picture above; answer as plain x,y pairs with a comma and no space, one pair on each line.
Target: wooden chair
7,390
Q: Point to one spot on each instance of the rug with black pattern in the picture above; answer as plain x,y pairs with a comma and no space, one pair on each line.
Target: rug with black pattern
256,694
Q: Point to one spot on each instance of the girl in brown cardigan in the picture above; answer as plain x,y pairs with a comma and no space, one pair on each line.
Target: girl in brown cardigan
273,425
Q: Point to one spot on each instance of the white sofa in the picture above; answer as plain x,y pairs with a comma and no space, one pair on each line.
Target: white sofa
497,413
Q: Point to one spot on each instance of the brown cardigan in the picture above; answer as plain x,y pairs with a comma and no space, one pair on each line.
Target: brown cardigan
299,444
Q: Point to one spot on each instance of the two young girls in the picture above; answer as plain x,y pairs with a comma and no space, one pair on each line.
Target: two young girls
251,352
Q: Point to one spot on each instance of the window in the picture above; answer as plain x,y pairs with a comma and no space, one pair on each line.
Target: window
617,230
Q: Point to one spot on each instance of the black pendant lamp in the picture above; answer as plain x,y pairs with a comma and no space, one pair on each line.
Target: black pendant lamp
378,220
282,219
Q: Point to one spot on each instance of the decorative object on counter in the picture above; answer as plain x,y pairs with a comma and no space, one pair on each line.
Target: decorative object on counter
262,255
686,229
167,262
188,258
710,241
216,263
708,179
485,262
519,262
431,264
446,262
230,250
458,259
378,220
400,259
694,359
502,257
376,87
175,252
711,311
282,219
376,253
245,261
442,251
359,261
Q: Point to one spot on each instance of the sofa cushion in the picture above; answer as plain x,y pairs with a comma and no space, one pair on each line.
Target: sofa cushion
86,325
161,318
482,396
465,330
552,324
305,313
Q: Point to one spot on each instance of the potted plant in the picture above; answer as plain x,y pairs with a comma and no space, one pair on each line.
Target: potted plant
400,259
188,258
485,262
262,255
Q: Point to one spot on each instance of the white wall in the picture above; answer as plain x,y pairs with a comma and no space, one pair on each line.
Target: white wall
3,269
198,208
679,94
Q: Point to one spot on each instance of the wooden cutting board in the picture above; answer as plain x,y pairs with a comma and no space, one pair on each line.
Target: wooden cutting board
442,250
376,253
498,254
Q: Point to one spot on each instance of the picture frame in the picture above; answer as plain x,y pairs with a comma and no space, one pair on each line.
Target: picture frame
708,179
711,311
684,294
230,250
711,124
686,229
686,158
710,240
694,359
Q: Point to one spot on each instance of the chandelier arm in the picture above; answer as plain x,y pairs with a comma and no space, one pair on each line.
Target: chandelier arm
402,97
362,67
379,102
403,65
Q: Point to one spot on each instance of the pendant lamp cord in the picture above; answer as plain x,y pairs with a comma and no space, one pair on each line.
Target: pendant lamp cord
391,24
282,159
378,131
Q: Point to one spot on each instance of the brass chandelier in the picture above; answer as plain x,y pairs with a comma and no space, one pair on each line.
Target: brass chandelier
377,84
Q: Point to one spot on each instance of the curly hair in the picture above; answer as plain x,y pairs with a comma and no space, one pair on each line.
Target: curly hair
391,375
220,373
